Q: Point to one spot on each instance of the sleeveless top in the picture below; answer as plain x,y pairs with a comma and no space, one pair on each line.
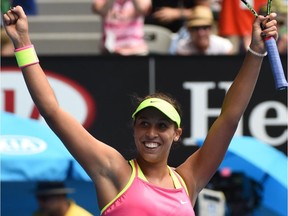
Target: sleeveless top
141,198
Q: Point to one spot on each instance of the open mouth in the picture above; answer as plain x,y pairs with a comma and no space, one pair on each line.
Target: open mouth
151,145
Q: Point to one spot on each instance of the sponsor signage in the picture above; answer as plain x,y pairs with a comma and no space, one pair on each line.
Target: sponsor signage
71,96
82,83
21,145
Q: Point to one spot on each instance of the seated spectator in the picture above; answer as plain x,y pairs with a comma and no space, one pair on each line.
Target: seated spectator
122,24
197,37
52,201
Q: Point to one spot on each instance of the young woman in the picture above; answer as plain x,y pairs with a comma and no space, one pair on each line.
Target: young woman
145,185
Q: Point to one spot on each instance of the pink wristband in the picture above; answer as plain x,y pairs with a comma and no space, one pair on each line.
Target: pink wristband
23,48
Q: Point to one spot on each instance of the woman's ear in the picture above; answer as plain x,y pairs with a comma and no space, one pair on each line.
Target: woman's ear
178,134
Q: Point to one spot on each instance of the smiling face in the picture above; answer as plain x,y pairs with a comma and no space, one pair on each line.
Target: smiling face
154,134
201,37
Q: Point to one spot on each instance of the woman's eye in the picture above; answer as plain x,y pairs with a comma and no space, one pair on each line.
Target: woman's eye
143,124
162,125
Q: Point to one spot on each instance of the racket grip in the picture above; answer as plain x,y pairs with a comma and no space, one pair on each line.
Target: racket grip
276,65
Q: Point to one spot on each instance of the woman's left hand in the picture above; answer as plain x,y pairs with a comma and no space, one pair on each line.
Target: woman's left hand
263,27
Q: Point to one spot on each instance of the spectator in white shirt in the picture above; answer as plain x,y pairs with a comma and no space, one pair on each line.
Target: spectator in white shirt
198,38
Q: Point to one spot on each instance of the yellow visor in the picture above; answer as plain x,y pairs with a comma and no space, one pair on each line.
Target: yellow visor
163,106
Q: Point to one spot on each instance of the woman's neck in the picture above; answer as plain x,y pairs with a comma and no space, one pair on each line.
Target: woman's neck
156,173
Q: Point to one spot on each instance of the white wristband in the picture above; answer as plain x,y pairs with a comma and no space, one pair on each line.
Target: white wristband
256,53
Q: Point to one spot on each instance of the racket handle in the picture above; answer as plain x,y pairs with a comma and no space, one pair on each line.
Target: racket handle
276,65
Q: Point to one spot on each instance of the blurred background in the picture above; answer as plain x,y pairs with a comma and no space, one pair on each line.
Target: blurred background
68,36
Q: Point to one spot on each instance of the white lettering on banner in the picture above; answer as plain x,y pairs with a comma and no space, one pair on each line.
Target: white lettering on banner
199,111
258,122
199,114
21,145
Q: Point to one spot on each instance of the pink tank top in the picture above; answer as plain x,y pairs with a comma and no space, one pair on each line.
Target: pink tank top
142,198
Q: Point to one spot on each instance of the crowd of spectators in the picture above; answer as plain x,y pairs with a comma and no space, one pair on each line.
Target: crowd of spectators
208,27
226,34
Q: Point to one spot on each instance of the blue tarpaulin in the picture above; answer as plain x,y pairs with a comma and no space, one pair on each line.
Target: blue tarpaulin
265,165
31,152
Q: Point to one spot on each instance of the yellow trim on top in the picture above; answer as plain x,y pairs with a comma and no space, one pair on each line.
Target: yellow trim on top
131,162
176,181
141,174
181,179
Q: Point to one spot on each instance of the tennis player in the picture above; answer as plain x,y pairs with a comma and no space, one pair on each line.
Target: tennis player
146,185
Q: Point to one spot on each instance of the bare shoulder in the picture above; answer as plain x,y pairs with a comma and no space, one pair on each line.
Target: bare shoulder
111,180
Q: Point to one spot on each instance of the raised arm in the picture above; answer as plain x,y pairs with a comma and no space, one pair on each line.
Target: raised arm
142,6
169,14
100,161
102,7
201,166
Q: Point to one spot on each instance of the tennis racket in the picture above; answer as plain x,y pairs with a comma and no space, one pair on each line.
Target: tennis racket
273,54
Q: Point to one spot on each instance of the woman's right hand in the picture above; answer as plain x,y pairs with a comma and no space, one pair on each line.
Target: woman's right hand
16,26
